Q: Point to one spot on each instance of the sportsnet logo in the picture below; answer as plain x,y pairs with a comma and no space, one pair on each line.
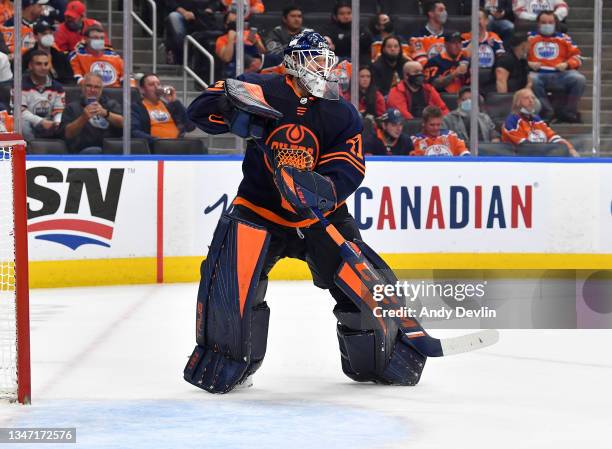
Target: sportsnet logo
546,50
55,205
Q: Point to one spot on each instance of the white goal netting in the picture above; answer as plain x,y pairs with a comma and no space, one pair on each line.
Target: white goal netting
8,320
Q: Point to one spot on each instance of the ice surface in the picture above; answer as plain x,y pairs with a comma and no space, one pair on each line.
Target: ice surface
109,361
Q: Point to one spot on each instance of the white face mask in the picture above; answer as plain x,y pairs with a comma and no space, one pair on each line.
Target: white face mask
47,40
97,44
443,17
526,111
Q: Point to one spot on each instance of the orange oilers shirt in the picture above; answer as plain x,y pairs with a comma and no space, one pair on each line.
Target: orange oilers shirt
518,129
553,50
162,123
6,122
446,144
6,10
27,36
108,64
376,49
425,45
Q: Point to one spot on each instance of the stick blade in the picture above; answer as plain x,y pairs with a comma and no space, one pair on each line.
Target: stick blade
469,342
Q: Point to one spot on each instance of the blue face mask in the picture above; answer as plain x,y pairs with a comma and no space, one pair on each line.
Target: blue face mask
547,29
466,105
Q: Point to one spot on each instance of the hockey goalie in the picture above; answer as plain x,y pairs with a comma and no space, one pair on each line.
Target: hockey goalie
304,158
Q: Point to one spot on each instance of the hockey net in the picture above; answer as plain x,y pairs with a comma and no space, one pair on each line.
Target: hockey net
14,308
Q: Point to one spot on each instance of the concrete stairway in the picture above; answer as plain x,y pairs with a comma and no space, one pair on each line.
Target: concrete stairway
580,24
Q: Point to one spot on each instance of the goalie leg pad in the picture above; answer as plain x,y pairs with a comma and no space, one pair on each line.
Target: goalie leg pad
359,359
232,317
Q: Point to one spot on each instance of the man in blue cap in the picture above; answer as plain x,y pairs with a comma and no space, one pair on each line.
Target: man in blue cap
387,139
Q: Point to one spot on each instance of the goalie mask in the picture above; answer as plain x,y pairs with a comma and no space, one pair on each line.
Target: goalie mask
309,59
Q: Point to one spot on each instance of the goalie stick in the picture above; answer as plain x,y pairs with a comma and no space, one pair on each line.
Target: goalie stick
356,264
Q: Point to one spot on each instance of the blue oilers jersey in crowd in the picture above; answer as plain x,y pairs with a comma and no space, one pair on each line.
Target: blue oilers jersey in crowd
329,130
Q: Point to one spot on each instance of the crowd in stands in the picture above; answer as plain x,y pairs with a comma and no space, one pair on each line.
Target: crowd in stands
414,90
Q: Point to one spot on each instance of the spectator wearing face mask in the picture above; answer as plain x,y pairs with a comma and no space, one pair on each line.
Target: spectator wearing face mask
501,17
31,12
459,120
72,31
60,69
412,95
511,69
380,28
554,59
339,28
529,10
429,40
524,126
387,70
93,56
388,138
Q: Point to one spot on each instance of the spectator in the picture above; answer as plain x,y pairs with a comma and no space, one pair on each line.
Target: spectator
380,28
501,17
387,71
31,12
554,59
91,119
371,101
187,17
255,7
524,126
43,99
281,35
511,69
72,31
93,55
6,75
429,41
158,115
339,28
388,140
435,141
6,10
459,120
412,95
61,71
529,10
224,47
490,48
6,120
449,70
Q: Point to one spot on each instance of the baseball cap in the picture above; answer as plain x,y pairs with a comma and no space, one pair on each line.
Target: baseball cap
392,115
452,36
75,10
42,26
27,3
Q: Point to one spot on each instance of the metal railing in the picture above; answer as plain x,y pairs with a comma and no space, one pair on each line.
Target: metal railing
188,71
150,31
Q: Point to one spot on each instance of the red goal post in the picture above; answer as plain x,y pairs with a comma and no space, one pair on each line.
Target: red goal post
14,298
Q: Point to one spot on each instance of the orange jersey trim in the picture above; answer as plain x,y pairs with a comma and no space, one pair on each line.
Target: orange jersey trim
275,218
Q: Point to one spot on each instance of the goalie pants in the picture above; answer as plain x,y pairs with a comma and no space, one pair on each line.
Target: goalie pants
316,248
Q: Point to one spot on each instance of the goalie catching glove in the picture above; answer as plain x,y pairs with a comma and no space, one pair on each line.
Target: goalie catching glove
305,189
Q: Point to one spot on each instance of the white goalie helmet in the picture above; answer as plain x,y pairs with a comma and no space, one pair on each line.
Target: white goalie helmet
309,59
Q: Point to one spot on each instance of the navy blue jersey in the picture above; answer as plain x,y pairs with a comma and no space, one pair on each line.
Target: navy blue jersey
329,130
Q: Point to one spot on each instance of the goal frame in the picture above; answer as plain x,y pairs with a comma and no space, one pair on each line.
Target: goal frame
20,234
